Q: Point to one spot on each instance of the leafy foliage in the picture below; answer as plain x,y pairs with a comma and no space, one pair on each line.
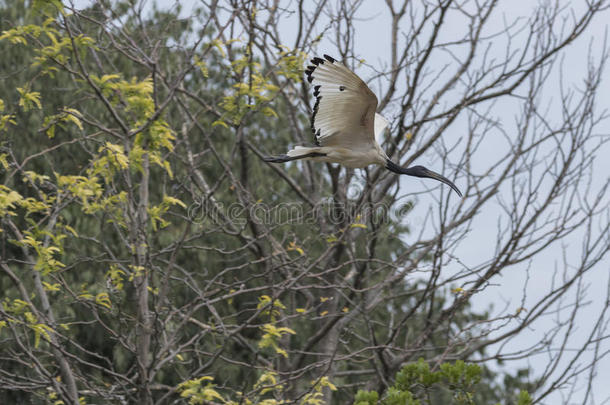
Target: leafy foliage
416,384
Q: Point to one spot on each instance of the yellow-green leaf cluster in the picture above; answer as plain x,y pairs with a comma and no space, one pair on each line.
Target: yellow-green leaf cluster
290,64
34,206
161,136
5,119
255,91
50,287
268,382
4,161
116,276
15,307
203,68
35,178
136,156
271,336
67,115
19,34
317,397
295,247
270,307
40,329
111,161
156,212
18,308
58,50
87,189
251,95
28,99
200,390
104,300
50,46
9,199
136,271
85,294
135,95
104,82
113,205
45,252
135,99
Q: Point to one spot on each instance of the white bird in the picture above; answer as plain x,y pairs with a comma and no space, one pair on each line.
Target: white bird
345,124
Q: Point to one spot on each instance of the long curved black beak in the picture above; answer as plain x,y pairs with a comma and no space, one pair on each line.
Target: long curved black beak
420,171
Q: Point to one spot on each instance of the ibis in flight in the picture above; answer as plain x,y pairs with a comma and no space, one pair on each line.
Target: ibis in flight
345,124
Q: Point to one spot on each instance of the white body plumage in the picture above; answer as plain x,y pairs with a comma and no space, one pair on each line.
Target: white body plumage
356,156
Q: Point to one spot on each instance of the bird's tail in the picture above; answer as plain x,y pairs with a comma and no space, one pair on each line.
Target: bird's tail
299,152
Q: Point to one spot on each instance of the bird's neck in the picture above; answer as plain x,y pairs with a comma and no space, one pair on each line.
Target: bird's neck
393,167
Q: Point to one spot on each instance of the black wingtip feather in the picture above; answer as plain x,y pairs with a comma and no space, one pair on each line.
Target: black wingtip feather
313,120
315,111
329,58
316,61
316,140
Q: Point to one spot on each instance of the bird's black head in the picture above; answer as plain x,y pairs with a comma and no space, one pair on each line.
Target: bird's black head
421,171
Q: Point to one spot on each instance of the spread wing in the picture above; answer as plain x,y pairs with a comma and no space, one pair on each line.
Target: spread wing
344,113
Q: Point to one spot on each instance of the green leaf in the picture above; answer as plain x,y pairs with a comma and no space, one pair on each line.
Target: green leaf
104,300
28,99
221,123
